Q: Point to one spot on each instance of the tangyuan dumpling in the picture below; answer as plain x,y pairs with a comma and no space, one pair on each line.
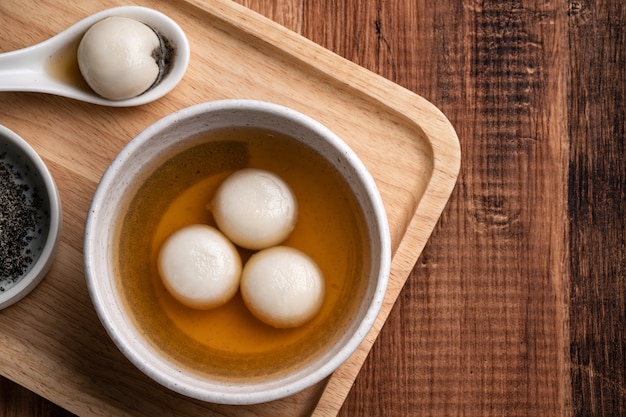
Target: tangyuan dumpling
117,57
282,286
200,267
255,208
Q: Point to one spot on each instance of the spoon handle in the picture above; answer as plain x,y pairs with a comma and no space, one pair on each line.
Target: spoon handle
25,70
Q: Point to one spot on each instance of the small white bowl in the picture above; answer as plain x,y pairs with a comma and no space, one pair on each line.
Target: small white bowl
24,161
158,143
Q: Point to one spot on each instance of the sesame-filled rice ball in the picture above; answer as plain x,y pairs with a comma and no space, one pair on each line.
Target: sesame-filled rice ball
200,267
255,208
117,57
282,286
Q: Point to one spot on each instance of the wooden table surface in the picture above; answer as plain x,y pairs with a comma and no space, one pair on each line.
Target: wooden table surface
517,305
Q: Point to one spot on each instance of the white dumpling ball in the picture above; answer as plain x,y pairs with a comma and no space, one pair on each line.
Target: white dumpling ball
200,267
255,208
116,57
282,286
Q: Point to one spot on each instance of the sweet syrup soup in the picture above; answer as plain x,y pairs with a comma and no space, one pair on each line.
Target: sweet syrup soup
229,341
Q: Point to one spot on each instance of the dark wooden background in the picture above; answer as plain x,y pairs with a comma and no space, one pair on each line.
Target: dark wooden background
517,305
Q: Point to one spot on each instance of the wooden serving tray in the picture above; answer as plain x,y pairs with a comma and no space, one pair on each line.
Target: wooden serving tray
52,342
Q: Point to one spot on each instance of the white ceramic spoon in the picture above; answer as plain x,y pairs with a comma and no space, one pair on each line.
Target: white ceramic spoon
49,67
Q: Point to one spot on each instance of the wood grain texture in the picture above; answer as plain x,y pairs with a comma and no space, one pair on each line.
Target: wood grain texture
596,206
480,322
517,305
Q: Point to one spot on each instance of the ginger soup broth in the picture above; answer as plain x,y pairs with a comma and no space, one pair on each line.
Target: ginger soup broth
229,341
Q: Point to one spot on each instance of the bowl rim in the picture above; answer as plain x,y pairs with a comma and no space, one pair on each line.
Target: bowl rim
46,258
104,304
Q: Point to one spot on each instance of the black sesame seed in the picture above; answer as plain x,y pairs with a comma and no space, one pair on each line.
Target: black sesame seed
18,222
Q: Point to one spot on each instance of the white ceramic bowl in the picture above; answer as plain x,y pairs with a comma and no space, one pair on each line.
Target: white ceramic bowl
150,149
23,159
